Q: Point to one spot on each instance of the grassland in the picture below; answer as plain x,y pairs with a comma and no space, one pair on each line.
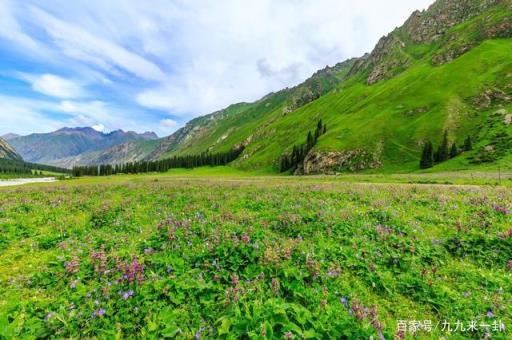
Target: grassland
225,254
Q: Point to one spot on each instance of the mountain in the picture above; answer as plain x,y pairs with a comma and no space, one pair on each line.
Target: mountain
448,68
221,130
51,148
7,152
132,151
9,136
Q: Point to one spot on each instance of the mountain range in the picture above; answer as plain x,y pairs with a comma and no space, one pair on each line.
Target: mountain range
446,71
61,147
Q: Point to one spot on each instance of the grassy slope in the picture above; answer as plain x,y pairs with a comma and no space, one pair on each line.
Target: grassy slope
242,120
396,115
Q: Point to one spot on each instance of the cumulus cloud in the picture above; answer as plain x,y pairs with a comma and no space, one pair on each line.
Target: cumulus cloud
55,86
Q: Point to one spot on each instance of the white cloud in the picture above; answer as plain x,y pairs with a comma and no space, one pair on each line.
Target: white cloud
55,86
78,43
183,57
25,116
11,30
168,123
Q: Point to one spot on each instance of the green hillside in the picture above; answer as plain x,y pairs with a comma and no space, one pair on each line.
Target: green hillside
446,69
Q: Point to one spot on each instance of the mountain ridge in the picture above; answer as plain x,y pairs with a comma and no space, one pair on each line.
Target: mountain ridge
366,129
49,148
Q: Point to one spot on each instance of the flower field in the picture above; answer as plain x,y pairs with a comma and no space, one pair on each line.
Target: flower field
204,258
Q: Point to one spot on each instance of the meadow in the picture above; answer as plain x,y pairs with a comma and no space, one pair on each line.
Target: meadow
198,254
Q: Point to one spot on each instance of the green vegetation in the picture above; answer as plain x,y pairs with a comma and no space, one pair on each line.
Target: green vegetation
299,152
18,168
168,256
458,82
186,162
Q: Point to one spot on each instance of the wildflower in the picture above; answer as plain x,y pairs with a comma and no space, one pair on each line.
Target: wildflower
234,280
100,312
49,316
99,260
198,333
500,209
344,301
288,335
128,294
275,286
73,266
134,271
73,283
509,265
245,238
467,294
490,314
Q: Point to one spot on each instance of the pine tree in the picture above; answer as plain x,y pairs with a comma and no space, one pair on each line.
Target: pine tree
468,146
427,157
454,151
444,152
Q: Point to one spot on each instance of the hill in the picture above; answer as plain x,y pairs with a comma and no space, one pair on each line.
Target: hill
52,148
9,136
448,68
7,152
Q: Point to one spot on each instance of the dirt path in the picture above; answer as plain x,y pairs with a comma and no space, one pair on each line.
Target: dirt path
20,181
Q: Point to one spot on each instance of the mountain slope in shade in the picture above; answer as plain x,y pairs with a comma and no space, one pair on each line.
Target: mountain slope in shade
132,151
49,148
447,68
7,152
9,136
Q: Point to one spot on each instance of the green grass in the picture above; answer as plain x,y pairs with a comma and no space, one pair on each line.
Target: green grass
228,254
391,118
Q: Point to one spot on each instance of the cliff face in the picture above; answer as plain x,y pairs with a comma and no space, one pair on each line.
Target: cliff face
7,152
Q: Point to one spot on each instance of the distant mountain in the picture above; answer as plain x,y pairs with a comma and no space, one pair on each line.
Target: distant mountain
132,151
10,136
7,152
51,148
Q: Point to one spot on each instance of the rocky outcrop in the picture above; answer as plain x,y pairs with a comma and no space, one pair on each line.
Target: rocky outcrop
391,57
334,161
490,97
7,152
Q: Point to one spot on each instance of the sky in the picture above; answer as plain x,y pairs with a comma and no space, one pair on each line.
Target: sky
154,65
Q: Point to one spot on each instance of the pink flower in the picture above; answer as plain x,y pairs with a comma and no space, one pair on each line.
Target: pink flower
134,271
73,266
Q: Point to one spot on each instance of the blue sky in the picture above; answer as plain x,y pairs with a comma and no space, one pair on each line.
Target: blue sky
154,65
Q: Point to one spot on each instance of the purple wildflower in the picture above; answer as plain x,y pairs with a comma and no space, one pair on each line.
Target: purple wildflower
73,266
500,209
128,294
490,314
49,316
134,271
100,312
344,301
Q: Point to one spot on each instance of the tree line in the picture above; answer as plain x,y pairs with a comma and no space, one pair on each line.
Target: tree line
187,161
300,151
8,166
445,151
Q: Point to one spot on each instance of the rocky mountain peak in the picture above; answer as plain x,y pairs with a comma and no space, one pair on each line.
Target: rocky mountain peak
391,56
